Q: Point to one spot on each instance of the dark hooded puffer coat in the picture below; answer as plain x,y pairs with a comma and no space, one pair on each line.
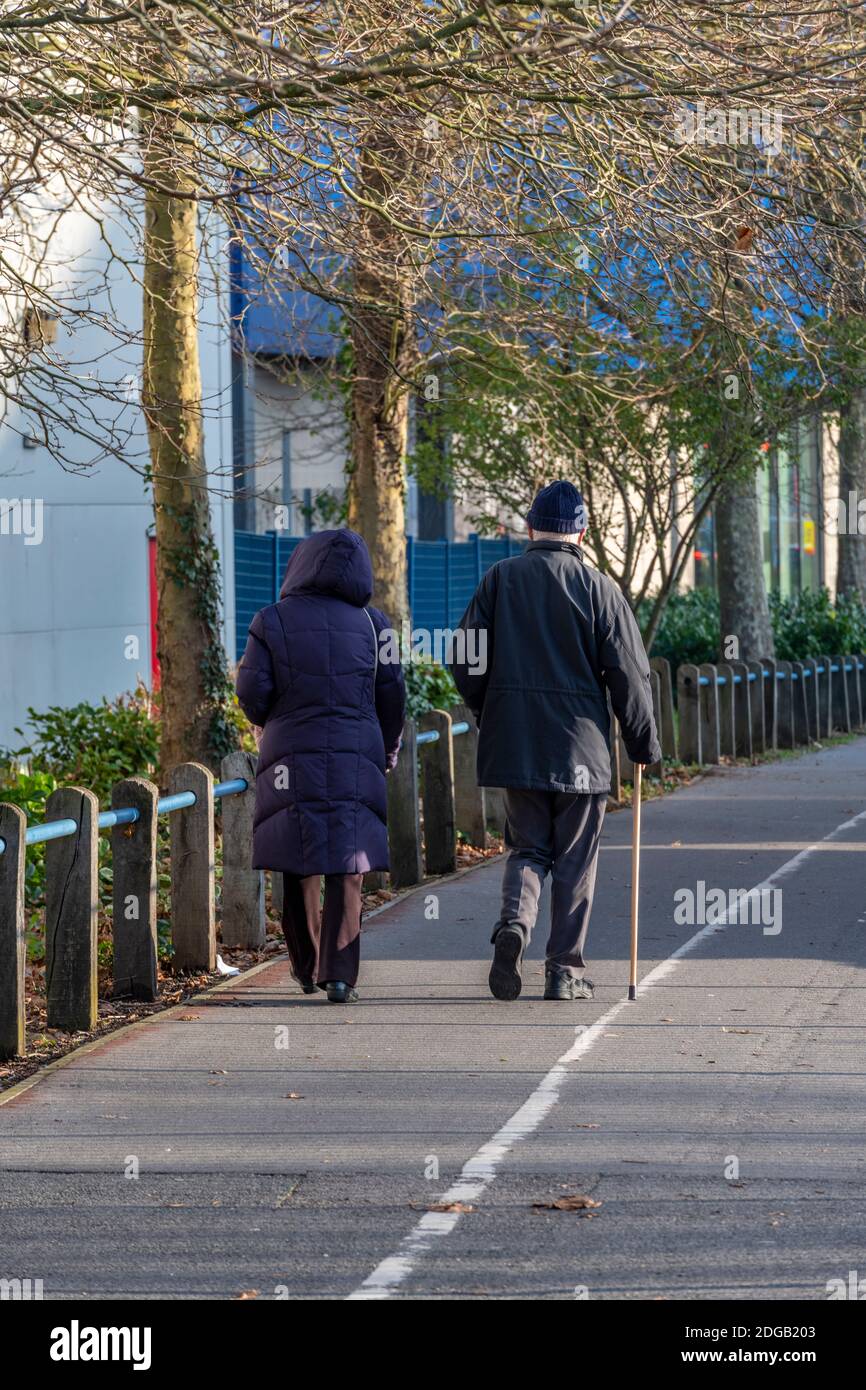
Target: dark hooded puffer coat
332,714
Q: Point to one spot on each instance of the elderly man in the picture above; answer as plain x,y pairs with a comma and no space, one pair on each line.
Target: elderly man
559,638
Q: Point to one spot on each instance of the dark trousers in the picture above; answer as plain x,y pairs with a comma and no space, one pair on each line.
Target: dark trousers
556,833
323,938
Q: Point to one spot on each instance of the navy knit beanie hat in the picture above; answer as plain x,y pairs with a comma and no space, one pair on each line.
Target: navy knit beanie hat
558,507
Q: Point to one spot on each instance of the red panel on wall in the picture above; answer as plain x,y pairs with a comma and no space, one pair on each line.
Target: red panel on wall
154,612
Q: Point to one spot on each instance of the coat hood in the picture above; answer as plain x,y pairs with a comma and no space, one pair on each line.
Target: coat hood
331,562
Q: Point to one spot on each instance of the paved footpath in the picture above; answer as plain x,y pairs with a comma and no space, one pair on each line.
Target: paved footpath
719,1120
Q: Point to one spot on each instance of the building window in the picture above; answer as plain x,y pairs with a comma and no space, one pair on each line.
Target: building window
705,552
791,507
790,492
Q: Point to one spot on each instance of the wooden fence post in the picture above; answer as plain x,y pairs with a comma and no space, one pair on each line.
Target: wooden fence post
656,769
13,827
614,747
404,829
242,918
741,700
756,707
810,669
133,854
494,805
667,727
784,705
277,892
800,701
825,700
469,800
193,915
437,793
626,766
709,714
727,732
688,706
841,709
771,703
853,684
71,905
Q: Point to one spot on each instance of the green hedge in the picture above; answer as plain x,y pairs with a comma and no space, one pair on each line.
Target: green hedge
810,624
806,624
689,629
428,686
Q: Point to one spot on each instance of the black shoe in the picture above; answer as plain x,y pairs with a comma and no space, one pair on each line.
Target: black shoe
559,984
504,978
306,985
339,992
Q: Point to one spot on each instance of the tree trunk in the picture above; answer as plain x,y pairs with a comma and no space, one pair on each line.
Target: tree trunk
745,612
851,573
385,356
190,650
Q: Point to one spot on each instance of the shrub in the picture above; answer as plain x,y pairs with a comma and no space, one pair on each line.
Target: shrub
689,629
94,746
428,686
29,791
804,624
810,624
87,745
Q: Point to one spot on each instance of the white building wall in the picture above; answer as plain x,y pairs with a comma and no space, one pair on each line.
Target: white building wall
299,441
70,604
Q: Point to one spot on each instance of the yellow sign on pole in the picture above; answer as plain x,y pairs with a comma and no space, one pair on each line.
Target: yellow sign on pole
808,536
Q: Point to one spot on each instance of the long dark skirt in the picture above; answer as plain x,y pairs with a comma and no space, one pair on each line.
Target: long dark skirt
323,938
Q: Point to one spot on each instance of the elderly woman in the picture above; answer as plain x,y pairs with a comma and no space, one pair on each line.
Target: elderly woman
332,715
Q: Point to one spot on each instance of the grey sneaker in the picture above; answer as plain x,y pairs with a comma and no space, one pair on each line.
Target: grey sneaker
559,984
504,979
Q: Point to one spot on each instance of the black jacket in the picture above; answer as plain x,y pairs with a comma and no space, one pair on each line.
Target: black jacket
559,636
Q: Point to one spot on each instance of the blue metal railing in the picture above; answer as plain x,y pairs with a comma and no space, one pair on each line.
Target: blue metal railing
783,675
432,735
126,815
178,801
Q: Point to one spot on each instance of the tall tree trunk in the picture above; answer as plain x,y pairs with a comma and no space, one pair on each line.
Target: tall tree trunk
745,612
385,356
851,573
190,649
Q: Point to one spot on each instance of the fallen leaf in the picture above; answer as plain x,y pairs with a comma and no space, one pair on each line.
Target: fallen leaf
294,1095
247,1293
188,1018
736,1030
450,1206
573,1202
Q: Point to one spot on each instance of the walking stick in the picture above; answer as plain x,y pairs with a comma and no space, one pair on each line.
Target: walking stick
635,878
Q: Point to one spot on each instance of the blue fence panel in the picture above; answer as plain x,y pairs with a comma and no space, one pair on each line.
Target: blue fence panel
260,563
443,575
430,583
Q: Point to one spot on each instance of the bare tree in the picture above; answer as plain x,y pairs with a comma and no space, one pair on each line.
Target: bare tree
454,181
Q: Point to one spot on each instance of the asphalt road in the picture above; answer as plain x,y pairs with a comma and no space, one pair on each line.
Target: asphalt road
718,1120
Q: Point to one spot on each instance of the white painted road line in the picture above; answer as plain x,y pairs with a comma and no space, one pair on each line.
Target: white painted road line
480,1170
